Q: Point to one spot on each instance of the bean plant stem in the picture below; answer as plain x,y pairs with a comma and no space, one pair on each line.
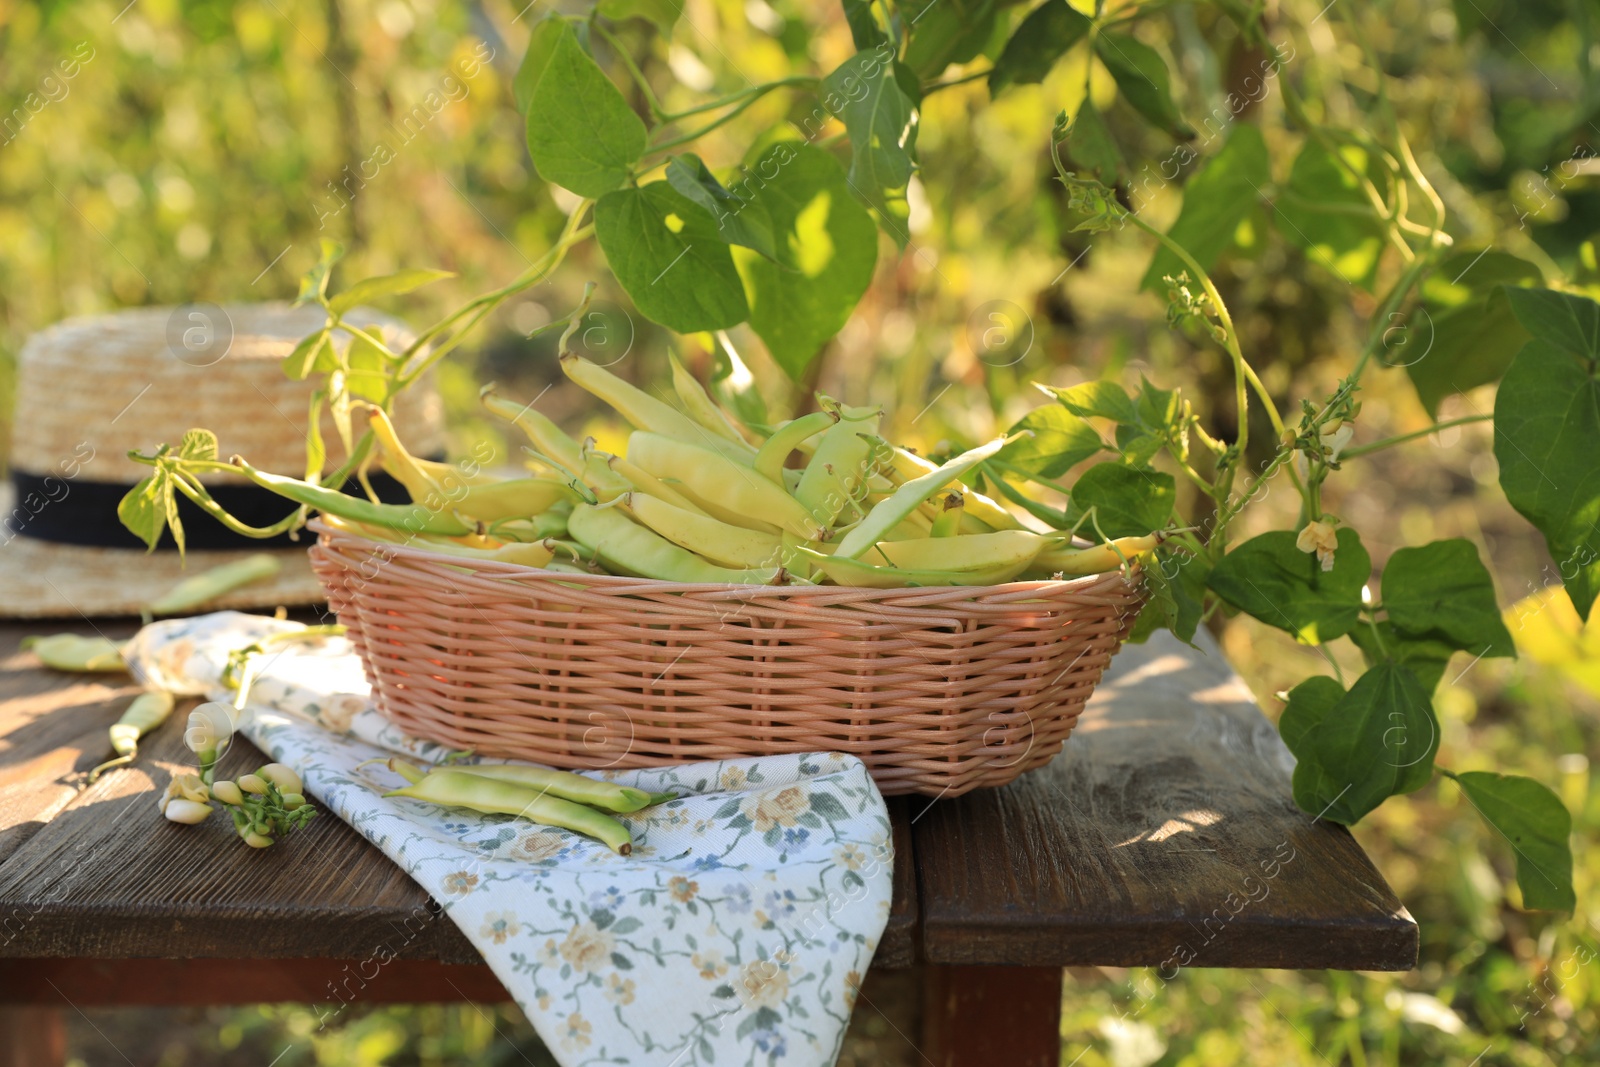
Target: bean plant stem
733,98
574,233
650,98
1400,439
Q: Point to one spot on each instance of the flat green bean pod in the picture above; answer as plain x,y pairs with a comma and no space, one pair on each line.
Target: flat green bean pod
900,504
628,548
564,784
460,789
199,589
75,652
412,517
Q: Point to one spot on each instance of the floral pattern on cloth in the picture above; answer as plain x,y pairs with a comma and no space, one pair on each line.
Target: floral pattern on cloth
736,933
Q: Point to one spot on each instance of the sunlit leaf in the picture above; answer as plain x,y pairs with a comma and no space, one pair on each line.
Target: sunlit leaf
1546,440
1219,196
668,255
582,134
1463,334
1536,824
198,444
1142,79
1442,589
143,509
1128,501
878,116
662,13
1317,214
827,247
385,285
1047,34
741,218
541,45
1270,578
1061,440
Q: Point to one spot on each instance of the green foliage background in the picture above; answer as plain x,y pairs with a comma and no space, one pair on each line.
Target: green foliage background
195,156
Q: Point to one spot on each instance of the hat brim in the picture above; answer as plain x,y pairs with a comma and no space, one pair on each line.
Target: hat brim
46,580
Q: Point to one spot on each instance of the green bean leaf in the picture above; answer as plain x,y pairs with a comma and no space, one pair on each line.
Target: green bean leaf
541,45
946,31
1316,214
1177,585
1371,743
1443,589
864,28
297,365
1537,826
1090,144
316,449
198,444
666,251
741,219
582,134
1142,78
1270,578
1098,399
1128,501
1427,656
827,248
385,285
369,369
143,509
314,284
1061,440
662,13
864,94
1463,333
1216,200
1546,438
1047,34
1565,320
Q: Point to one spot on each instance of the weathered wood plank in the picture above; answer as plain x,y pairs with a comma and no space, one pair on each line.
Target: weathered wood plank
1163,835
329,985
95,872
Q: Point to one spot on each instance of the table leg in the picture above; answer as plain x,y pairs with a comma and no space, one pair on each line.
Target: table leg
32,1037
990,1015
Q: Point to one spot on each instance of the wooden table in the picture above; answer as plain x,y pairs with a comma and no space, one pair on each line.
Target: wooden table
1163,836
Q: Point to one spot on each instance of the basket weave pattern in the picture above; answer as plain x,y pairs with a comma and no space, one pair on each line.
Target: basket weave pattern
939,691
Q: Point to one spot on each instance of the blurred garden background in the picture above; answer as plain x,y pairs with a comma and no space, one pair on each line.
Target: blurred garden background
173,151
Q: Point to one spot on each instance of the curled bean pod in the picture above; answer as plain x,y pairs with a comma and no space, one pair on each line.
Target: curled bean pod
147,711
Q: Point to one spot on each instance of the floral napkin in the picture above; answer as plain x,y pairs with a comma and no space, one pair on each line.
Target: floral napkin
736,932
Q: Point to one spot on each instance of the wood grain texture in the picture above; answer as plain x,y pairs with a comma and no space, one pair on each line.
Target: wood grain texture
95,872
328,984
1163,835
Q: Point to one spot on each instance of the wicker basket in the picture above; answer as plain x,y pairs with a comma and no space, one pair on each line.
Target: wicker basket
937,690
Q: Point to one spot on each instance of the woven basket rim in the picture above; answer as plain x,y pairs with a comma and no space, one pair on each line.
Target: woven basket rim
658,585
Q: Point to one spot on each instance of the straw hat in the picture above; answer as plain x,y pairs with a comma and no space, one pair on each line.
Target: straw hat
91,389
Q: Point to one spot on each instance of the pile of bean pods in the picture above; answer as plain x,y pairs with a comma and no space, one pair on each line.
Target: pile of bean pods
554,798
698,496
